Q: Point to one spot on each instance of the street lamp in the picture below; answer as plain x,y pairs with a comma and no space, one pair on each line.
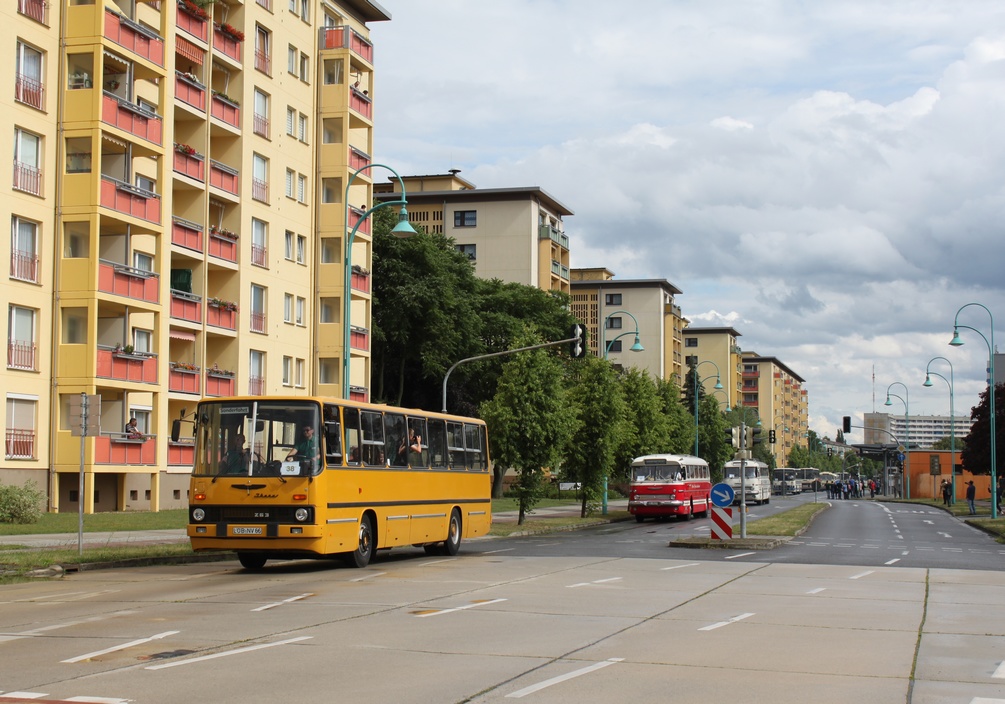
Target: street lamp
402,229
697,381
906,479
637,347
952,418
956,342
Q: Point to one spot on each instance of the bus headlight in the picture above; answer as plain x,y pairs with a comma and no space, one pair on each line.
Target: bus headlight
301,514
198,515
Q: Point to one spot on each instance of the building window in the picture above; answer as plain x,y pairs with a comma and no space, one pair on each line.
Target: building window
21,345
256,373
291,121
612,299
614,346
469,249
305,67
74,326
331,250
28,87
289,182
465,218
613,323
293,6
331,130
301,249
298,378
333,71
261,118
259,243
288,246
288,308
143,340
690,341
328,310
287,371
301,188
302,128
328,370
27,162
22,415
258,319
24,249
292,57
260,178
331,190
301,305
263,50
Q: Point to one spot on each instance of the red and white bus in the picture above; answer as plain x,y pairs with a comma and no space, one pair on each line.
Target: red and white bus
669,485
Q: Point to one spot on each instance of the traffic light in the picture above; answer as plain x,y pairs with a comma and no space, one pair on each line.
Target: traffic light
753,437
577,348
771,436
847,424
733,437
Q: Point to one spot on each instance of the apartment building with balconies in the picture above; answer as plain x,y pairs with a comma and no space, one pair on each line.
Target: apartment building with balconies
777,392
720,347
177,225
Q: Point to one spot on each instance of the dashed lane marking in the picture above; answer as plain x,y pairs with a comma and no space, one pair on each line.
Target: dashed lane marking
226,653
862,574
266,607
677,567
742,554
561,678
720,624
440,612
115,648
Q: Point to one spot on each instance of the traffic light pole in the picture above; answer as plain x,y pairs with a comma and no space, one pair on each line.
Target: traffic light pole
743,480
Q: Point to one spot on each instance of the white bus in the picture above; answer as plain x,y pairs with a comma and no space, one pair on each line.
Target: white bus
756,482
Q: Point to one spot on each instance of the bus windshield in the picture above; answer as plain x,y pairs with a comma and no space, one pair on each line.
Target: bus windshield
258,438
658,473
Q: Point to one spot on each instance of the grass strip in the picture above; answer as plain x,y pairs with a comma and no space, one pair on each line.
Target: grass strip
786,523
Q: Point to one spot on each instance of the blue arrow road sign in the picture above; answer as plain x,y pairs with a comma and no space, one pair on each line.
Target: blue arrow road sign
723,495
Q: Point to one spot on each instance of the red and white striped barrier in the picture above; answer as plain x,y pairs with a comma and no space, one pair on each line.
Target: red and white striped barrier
722,523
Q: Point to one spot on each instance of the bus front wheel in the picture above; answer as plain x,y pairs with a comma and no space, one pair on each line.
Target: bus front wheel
251,561
453,542
361,556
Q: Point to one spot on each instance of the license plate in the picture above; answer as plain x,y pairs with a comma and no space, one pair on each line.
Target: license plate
247,531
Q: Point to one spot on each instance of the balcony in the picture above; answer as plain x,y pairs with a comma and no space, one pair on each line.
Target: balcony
186,306
134,37
558,270
27,178
221,316
223,177
123,280
358,393
219,383
355,215
37,10
359,339
184,379
191,164
181,453
190,91
186,234
226,111
260,125
29,91
360,281
130,200
131,118
343,37
361,103
358,159
547,232
192,19
263,62
20,444
21,355
116,448
24,266
120,366
223,247
227,43
260,190
258,321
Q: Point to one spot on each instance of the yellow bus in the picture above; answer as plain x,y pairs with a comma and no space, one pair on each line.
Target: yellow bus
300,477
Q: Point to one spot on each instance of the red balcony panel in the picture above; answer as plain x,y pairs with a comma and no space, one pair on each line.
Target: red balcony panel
226,44
354,217
115,449
357,393
196,26
223,247
27,178
219,385
360,282
223,177
181,454
186,234
29,91
190,92
123,198
343,37
126,367
137,39
361,103
186,306
191,165
359,339
24,266
184,380
360,46
221,317
358,159
21,355
226,111
37,10
132,119
129,282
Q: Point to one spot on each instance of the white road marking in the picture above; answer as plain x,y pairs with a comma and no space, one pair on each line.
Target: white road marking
985,700
931,523
817,590
371,575
561,678
226,653
1000,672
677,567
188,577
98,700
435,562
25,695
114,648
725,623
609,579
63,597
818,545
493,552
890,562
944,535
459,608
862,574
742,554
39,631
284,601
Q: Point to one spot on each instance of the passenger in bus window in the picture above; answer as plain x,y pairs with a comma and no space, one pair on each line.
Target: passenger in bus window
354,454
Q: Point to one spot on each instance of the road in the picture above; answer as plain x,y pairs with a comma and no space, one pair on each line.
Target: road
570,617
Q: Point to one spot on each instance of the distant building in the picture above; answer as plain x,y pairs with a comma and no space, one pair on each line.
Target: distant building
916,431
781,401
719,346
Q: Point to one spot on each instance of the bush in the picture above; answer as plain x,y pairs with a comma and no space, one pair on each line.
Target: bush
21,504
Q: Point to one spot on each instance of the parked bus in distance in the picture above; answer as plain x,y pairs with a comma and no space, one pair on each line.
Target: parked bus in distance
792,485
810,478
669,485
757,483
299,477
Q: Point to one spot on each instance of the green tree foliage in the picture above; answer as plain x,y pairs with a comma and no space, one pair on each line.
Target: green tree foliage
598,406
529,420
712,444
680,419
976,452
947,443
648,427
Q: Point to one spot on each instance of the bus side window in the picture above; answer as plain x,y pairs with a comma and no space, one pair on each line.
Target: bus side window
474,446
417,438
395,440
350,426
455,445
372,426
333,436
437,442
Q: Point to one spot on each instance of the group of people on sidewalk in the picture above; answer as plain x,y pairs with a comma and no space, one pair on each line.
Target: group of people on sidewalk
971,494
851,489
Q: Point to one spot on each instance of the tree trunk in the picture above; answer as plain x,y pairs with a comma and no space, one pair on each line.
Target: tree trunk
498,480
582,510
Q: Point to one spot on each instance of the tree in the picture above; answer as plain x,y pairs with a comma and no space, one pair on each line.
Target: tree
976,453
681,420
840,436
648,427
528,420
598,405
947,443
712,445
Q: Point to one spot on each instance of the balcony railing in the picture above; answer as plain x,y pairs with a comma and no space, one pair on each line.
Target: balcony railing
263,62
184,381
554,234
226,111
129,117
191,165
223,177
256,385
358,159
21,355
260,190
118,448
181,453
20,444
359,339
186,306
196,26
24,266
190,91
27,178
135,37
130,200
37,10
360,103
222,247
218,384
260,125
221,317
358,393
355,215
29,91
343,37
257,322
360,282
126,281
260,255
226,44
127,367
186,234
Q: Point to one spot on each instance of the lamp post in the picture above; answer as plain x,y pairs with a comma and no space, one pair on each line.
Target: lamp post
637,347
952,419
402,229
697,381
956,342
906,479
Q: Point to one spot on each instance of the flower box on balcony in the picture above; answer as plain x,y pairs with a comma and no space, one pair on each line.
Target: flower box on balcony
184,378
219,384
221,317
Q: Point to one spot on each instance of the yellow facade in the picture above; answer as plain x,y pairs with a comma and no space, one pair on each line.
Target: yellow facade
719,346
782,403
178,226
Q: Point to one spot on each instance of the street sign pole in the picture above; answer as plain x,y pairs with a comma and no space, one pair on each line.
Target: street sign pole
80,478
743,479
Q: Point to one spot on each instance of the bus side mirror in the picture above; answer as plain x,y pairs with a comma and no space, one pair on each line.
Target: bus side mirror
175,430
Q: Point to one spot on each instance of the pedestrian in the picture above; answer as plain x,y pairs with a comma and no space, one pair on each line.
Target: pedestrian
947,492
971,495
872,488
1001,491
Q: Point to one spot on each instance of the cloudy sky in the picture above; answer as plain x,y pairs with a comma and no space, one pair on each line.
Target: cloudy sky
828,177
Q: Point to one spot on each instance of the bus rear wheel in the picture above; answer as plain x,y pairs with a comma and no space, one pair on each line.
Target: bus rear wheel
251,561
361,556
